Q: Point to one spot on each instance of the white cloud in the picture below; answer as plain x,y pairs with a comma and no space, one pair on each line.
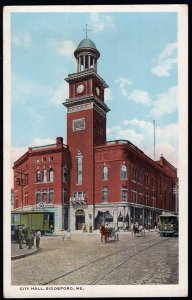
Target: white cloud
167,58
101,22
21,39
141,134
145,126
108,95
124,84
23,87
42,142
16,153
63,47
168,151
140,96
169,50
120,131
166,103
60,94
163,68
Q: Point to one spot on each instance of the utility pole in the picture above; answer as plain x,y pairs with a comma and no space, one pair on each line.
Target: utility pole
21,182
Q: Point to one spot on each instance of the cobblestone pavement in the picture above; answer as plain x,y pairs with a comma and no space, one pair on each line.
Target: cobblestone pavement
142,260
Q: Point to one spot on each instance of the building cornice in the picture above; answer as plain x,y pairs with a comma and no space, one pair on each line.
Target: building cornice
72,102
83,75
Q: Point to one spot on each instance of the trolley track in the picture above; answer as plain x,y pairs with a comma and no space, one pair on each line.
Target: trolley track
101,260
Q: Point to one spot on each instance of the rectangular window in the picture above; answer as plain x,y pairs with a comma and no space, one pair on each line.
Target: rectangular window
37,161
124,193
50,158
79,169
64,196
79,124
79,195
44,197
134,196
38,196
105,194
50,195
65,174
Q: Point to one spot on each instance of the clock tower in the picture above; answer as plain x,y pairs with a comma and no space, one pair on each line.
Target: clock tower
86,128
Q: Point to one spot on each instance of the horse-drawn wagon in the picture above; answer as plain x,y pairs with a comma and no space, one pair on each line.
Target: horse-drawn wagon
108,234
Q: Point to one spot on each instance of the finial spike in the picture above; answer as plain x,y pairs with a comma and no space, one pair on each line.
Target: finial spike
86,30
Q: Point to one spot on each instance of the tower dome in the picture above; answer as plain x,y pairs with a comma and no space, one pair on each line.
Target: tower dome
86,55
86,43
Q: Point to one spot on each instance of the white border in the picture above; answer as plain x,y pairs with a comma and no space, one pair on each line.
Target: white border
105,291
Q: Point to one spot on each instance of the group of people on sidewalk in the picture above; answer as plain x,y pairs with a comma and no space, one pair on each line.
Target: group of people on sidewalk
87,228
28,236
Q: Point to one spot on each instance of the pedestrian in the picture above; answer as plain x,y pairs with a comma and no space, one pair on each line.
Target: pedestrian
133,230
20,238
38,236
90,228
29,237
83,228
68,235
141,230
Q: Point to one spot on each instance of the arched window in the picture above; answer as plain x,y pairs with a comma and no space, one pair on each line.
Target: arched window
44,176
38,176
51,175
105,173
123,171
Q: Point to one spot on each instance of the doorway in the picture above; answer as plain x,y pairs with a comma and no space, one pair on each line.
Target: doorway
79,219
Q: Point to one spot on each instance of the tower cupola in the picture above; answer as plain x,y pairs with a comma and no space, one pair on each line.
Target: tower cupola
86,55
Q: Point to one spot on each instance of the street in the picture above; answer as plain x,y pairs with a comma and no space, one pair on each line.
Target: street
84,260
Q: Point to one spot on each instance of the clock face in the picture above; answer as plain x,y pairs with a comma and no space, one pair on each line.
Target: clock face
97,91
80,88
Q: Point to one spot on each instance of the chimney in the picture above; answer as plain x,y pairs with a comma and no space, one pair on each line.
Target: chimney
59,142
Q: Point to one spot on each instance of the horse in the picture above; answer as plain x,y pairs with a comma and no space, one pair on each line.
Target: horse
105,232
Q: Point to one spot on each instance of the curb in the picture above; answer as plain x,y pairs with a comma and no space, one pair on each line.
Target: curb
23,255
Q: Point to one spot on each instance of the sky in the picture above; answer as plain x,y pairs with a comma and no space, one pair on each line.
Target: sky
138,61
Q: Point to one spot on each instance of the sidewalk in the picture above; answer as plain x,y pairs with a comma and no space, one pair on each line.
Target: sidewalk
17,253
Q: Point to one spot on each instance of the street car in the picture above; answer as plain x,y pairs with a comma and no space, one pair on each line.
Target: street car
168,225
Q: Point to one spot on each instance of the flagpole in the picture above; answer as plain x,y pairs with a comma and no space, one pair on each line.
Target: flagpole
154,137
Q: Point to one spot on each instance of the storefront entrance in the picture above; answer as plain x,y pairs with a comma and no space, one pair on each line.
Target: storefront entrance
79,219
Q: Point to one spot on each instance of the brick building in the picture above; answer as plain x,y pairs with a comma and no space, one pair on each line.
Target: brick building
90,180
